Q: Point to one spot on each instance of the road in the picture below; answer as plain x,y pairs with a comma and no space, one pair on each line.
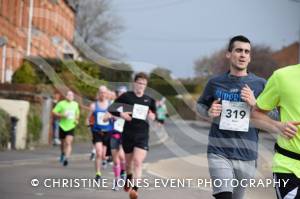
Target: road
180,158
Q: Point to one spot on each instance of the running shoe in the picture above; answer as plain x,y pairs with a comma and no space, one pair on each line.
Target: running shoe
65,163
116,186
123,175
92,157
104,164
133,194
127,187
61,158
98,177
56,142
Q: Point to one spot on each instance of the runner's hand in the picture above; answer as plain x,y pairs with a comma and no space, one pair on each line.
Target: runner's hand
151,115
65,115
289,129
126,116
248,96
106,117
215,109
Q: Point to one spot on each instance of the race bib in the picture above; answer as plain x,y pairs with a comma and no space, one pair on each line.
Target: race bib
119,125
235,116
100,116
70,114
140,111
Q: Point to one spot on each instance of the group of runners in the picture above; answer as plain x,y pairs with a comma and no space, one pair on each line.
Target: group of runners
119,122
236,102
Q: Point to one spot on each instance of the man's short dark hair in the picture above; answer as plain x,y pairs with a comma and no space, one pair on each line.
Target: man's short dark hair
141,75
240,38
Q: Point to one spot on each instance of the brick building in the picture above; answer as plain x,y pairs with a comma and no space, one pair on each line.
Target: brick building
42,28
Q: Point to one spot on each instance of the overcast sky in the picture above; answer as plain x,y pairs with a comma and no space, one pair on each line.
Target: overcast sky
174,33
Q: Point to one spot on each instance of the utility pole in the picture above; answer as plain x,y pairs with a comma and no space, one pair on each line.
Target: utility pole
3,42
31,3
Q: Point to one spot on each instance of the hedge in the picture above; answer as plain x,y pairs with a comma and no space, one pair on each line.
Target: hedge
5,127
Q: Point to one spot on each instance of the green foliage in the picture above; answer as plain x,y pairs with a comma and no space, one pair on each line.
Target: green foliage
116,73
199,89
168,89
89,79
162,87
84,77
180,107
160,73
26,74
34,125
82,132
190,87
4,129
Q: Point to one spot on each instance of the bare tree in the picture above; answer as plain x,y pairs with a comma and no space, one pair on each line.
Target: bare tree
262,63
97,26
207,66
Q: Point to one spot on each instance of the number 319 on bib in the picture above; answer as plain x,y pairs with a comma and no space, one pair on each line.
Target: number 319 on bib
235,116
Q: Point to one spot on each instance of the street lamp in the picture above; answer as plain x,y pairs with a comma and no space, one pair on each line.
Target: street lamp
3,42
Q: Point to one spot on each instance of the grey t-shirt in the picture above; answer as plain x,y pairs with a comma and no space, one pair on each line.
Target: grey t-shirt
231,144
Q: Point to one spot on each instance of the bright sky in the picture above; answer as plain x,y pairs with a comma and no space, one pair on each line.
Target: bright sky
174,33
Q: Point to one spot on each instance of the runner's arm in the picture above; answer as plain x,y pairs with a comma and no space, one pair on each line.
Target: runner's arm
115,106
261,120
90,113
202,110
57,111
152,110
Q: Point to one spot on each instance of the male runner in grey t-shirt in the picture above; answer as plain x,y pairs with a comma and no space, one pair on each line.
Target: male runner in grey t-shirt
232,146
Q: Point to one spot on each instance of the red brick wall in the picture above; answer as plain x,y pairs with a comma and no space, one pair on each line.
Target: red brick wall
49,19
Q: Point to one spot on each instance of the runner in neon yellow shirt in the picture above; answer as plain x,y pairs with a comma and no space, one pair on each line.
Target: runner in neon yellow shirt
282,92
68,112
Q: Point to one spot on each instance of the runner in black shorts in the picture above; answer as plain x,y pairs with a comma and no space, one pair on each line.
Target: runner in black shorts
68,113
102,125
63,134
100,136
135,107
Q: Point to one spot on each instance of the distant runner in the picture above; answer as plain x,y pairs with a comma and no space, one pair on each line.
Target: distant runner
68,113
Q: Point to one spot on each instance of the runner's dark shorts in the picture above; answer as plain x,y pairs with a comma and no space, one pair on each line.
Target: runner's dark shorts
101,137
136,140
63,134
291,188
115,141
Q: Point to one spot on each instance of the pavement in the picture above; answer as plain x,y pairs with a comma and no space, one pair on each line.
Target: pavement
80,151
176,152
